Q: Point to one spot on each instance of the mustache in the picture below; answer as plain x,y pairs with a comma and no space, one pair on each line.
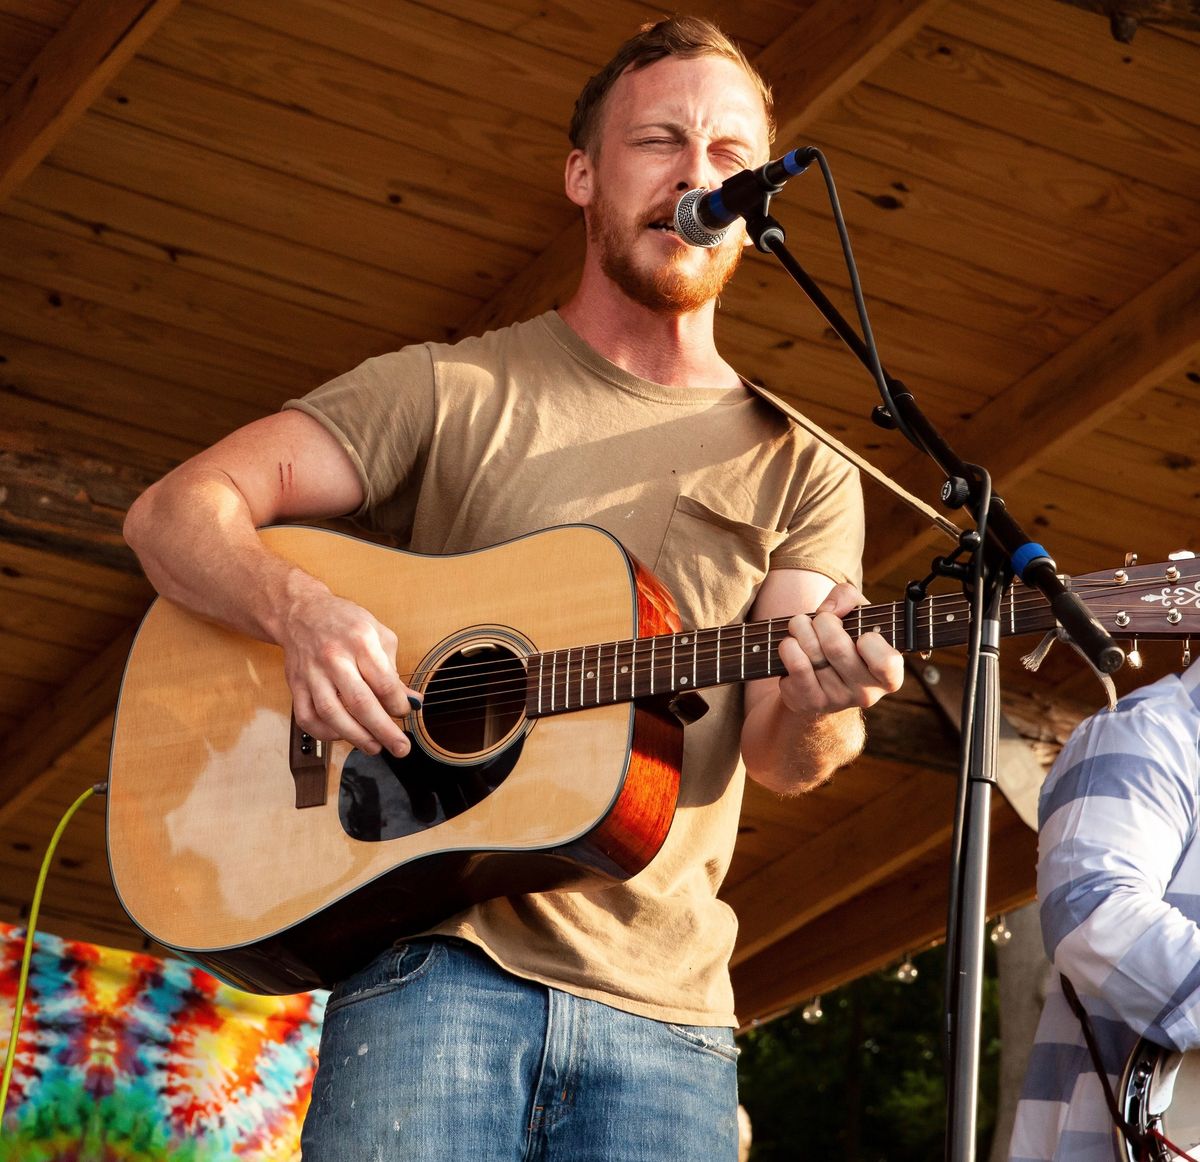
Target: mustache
663,212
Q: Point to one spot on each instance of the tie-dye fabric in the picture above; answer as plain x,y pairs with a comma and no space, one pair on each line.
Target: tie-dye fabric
129,1058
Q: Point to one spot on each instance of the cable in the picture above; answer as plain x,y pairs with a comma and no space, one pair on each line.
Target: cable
30,928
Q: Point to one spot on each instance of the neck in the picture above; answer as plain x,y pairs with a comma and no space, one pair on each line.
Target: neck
677,350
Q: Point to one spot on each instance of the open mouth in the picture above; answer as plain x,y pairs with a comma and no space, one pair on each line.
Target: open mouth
666,225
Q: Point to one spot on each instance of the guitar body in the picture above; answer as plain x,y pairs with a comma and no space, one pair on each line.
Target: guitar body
210,853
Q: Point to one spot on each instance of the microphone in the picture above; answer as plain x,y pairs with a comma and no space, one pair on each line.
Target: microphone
703,217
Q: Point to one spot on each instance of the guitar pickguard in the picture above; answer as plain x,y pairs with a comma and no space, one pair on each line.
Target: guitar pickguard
382,797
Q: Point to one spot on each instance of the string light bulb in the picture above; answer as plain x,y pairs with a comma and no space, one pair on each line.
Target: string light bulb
1001,933
812,1012
907,972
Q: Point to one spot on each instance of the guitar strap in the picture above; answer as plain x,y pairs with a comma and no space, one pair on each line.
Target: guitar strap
1139,1141
864,466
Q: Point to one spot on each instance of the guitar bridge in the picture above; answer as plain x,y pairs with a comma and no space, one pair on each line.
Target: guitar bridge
306,757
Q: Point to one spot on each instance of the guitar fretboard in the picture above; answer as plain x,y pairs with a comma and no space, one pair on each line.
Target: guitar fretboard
614,672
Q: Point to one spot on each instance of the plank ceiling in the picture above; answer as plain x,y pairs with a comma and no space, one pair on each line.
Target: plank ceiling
209,206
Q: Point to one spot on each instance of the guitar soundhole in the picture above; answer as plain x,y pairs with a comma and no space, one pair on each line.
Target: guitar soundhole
467,739
474,701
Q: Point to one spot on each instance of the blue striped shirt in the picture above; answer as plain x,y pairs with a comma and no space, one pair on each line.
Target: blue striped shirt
1119,885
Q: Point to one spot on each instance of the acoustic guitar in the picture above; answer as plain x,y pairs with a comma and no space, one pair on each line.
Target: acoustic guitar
555,679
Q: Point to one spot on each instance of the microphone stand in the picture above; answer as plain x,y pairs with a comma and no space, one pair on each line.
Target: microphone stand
995,551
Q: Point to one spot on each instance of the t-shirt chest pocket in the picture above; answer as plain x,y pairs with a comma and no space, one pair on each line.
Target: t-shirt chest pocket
713,563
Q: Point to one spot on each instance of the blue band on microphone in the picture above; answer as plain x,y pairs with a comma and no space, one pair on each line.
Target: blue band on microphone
1026,554
716,207
798,160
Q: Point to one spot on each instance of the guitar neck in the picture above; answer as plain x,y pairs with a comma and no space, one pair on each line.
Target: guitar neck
613,672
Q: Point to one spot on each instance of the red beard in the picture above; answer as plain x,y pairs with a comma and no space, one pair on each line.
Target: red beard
667,287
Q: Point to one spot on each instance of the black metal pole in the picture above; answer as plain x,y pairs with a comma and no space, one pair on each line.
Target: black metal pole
1005,551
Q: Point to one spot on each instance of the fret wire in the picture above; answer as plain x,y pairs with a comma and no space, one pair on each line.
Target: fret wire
541,679
674,641
696,656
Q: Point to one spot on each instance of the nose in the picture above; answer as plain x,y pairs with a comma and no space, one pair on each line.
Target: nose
696,169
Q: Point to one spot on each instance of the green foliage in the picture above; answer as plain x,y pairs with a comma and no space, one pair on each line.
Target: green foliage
867,1083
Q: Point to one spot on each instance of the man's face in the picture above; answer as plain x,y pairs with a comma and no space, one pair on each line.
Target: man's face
673,126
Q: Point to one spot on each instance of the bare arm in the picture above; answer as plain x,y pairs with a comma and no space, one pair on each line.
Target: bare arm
195,534
800,728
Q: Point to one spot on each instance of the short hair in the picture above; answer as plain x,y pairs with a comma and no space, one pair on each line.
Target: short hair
680,36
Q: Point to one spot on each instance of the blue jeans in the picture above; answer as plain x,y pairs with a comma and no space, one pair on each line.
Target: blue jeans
432,1053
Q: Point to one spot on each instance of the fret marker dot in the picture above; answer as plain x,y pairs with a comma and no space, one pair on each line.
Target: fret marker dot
683,680
755,649
949,617
591,673
624,669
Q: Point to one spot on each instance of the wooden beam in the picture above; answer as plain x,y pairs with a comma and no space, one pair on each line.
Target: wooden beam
811,65
69,719
828,50
67,76
1151,337
871,931
886,835
1019,774
1124,16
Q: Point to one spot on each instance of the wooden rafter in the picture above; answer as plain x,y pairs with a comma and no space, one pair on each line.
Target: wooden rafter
67,76
1136,347
903,914
67,720
886,834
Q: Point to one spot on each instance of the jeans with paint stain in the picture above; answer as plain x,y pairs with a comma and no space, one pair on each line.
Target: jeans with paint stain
432,1053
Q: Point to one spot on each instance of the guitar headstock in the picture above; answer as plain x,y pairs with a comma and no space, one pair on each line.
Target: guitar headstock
1146,601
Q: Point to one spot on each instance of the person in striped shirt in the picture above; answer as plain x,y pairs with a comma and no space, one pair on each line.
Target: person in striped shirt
1119,888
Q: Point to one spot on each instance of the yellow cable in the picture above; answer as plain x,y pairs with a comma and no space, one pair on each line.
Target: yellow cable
29,931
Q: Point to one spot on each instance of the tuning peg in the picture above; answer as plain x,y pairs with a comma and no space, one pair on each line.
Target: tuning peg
1187,652
1181,555
1134,657
1130,560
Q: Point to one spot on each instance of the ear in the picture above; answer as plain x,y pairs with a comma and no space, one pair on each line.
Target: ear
579,178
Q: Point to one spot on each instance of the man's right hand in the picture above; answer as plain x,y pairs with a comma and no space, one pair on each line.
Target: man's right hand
340,663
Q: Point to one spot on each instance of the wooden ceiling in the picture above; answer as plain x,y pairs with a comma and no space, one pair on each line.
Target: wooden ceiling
209,206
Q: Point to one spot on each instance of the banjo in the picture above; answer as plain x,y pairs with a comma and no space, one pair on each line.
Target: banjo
1160,1099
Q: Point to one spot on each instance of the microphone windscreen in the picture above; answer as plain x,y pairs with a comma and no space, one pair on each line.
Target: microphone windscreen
688,225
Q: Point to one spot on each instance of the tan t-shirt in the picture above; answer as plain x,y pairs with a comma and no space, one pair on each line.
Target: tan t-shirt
460,447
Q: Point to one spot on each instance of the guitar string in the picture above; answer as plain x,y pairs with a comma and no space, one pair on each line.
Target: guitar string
708,638
707,648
